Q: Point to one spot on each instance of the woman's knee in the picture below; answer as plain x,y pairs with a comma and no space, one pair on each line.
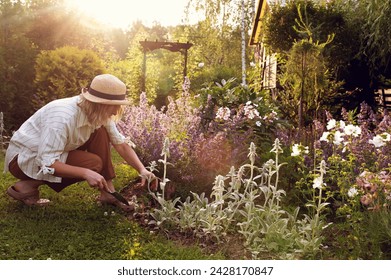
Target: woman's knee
86,160
96,163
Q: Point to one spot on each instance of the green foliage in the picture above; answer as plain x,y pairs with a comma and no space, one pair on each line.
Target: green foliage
306,79
17,55
50,25
247,201
362,235
64,72
164,69
324,19
341,58
376,34
226,93
217,40
162,249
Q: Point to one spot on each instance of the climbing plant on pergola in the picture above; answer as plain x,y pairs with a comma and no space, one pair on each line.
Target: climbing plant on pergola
149,46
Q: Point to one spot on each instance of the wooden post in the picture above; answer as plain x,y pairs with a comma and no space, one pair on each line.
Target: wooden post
185,66
144,74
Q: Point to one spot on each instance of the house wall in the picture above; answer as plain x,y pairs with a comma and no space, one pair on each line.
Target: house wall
267,62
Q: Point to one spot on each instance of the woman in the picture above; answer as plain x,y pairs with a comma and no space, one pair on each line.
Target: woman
69,140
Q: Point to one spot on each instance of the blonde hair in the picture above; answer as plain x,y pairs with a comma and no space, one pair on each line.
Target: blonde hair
97,114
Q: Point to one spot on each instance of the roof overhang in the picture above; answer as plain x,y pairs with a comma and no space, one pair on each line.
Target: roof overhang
262,8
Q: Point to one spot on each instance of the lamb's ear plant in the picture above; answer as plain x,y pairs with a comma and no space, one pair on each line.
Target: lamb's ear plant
266,226
247,201
312,226
167,213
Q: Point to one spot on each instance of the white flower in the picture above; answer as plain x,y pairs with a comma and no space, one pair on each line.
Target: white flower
377,141
349,129
249,111
331,124
352,130
352,192
357,131
342,124
105,214
201,64
223,113
324,137
295,150
258,123
318,183
252,64
338,137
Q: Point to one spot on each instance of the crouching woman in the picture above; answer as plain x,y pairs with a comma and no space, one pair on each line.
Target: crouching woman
69,140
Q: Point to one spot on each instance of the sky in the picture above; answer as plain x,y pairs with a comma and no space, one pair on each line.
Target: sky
121,13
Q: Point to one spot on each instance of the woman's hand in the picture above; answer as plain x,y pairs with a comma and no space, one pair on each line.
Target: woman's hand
95,180
148,177
130,156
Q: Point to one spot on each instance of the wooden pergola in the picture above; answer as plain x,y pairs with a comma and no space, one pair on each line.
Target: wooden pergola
149,46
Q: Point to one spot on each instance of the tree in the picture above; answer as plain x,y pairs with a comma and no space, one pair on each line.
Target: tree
376,37
217,40
63,72
306,78
344,19
323,19
50,24
17,55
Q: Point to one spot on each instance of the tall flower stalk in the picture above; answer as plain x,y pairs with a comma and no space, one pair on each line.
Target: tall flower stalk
319,205
165,153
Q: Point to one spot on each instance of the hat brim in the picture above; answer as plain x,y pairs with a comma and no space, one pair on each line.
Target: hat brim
99,100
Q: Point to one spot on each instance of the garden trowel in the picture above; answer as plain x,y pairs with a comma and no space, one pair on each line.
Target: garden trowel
119,197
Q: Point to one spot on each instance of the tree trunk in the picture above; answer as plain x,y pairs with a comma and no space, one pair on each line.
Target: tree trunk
244,83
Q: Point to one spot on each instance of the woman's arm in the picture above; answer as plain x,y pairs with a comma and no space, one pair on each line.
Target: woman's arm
130,156
93,178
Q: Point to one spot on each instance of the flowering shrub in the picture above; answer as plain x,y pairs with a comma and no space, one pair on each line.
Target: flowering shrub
227,101
198,151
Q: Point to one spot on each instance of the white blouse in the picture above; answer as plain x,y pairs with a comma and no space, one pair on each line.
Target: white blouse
49,135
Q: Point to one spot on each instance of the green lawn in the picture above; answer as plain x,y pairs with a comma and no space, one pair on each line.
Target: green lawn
75,227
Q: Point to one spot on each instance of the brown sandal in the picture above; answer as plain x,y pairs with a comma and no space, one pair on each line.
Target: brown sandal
114,202
30,198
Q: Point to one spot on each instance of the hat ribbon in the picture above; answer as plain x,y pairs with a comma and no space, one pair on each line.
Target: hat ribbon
105,95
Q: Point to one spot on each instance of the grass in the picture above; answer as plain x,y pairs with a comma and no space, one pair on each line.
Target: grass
75,227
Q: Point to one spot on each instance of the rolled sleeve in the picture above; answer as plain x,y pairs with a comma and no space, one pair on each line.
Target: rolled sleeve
50,149
116,137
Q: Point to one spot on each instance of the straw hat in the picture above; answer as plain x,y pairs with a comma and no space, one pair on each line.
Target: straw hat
106,89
